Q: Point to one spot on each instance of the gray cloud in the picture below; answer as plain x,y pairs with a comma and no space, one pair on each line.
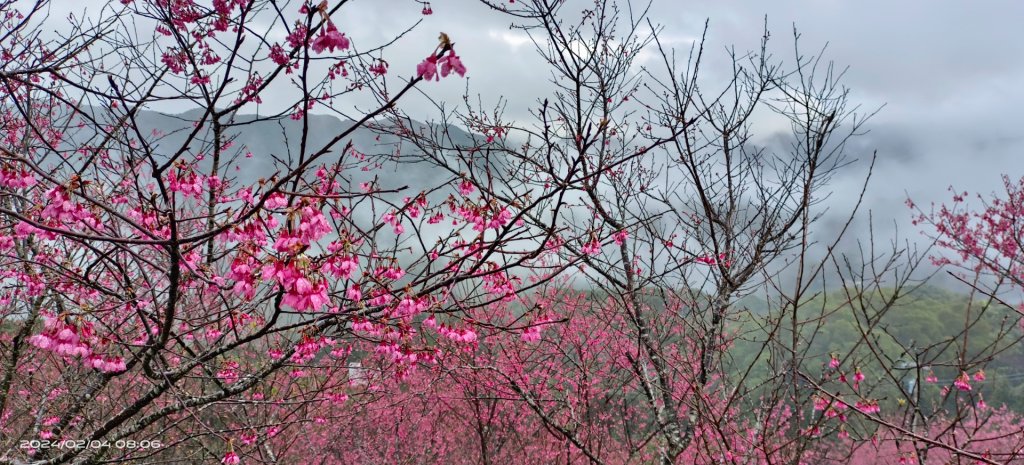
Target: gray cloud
947,73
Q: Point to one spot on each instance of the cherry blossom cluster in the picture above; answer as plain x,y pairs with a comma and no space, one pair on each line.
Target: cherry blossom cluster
450,62
330,39
60,210
533,332
713,259
14,177
75,342
591,248
304,290
465,335
498,283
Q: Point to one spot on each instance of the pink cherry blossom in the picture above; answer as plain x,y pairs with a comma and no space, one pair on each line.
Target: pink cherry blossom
354,294
591,248
16,178
427,69
963,382
451,62
620,237
231,458
330,39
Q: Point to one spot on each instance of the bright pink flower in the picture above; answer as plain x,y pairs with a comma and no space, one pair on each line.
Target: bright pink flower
61,208
868,406
305,295
289,243
963,382
227,375
248,438
15,178
620,237
111,365
362,325
278,55
380,68
392,273
313,224
427,69
175,60
307,349
41,341
297,37
354,294
532,333
458,335
275,200
330,39
451,62
836,411
231,458
243,272
23,230
410,306
592,248
343,267
186,182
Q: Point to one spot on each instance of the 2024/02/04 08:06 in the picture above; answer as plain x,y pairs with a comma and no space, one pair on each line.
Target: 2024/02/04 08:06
39,444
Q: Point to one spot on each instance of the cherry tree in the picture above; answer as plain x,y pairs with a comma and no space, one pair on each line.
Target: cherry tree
982,240
163,298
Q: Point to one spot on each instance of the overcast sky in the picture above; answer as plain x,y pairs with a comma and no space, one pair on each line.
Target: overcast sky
949,73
